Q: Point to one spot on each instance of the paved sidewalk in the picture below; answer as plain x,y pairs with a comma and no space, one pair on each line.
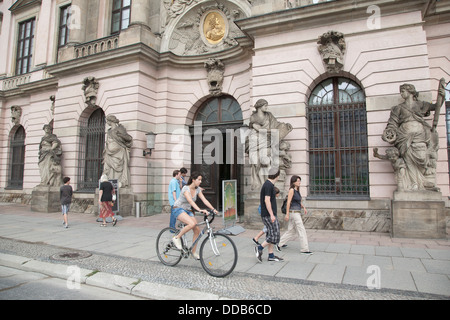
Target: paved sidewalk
347,258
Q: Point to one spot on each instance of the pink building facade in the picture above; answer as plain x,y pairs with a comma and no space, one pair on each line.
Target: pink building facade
148,60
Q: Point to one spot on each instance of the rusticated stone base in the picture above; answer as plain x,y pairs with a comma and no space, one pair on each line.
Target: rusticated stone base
348,220
367,220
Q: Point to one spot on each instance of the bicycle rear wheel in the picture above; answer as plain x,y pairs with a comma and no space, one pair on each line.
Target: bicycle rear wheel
218,255
167,253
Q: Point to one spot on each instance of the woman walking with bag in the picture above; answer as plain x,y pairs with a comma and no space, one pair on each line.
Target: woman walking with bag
294,216
105,200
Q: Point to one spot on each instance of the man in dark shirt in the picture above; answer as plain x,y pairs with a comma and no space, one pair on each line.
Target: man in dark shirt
269,216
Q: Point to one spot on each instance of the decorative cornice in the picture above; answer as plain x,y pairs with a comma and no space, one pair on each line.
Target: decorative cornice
140,51
24,4
322,14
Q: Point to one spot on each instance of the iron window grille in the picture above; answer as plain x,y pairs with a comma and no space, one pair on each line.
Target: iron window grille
17,159
92,144
338,148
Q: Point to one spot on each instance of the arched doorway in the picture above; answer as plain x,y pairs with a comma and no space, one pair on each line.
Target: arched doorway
338,148
216,147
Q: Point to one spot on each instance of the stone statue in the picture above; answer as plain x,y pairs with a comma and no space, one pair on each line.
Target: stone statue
416,141
50,152
215,69
16,112
332,49
393,155
265,142
116,155
90,88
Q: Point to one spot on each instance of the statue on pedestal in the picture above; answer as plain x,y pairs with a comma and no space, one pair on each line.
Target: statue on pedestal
50,152
266,147
116,155
415,140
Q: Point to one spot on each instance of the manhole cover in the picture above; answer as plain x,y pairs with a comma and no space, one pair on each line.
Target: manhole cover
70,255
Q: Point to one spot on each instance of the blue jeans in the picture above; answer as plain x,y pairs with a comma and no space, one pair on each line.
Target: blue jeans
174,215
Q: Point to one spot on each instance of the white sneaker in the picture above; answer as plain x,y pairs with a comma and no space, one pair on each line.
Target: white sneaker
177,243
196,256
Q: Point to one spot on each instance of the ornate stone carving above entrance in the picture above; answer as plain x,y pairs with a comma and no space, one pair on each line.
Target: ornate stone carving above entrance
90,88
16,113
332,49
201,28
215,69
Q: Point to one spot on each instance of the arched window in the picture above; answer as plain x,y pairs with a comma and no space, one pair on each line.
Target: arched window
92,143
17,159
219,110
338,151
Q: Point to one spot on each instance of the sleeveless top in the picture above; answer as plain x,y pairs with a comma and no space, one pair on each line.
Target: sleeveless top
296,201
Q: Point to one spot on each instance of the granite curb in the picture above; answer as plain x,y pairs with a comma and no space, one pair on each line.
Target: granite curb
133,286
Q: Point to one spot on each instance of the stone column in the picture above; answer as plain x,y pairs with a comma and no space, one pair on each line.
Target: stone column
140,12
78,20
41,34
139,30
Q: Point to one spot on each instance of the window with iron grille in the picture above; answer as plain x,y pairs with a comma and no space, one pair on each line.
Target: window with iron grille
338,152
92,144
16,159
64,26
121,13
25,46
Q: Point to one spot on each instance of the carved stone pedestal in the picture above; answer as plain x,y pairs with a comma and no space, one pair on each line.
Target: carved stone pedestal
252,217
126,201
419,215
45,199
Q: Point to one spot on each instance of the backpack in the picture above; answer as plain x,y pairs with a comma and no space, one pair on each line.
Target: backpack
283,206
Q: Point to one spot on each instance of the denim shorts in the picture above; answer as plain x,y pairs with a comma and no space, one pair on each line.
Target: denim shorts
175,213
65,208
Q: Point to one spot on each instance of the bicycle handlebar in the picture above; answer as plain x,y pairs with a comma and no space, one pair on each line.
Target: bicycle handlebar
211,214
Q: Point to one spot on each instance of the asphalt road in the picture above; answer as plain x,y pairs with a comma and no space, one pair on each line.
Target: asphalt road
16,284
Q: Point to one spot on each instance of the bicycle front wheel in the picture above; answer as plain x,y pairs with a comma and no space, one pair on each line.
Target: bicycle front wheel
218,255
167,253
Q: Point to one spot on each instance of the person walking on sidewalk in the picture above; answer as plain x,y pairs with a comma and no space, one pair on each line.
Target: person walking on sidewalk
294,208
264,230
65,196
174,193
269,216
105,200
